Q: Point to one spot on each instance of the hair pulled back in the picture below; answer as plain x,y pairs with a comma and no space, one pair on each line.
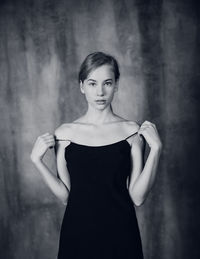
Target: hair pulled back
95,60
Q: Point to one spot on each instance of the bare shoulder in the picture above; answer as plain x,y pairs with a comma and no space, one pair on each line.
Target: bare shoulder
137,141
63,131
129,124
132,125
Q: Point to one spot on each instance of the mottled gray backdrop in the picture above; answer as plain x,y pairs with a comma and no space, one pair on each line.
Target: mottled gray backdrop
42,44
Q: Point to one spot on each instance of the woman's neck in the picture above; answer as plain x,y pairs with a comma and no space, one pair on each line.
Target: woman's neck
94,116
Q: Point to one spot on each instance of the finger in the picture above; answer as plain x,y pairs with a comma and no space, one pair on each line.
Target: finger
51,145
147,123
144,127
40,139
46,147
144,124
151,125
154,125
142,131
50,142
48,138
140,135
45,134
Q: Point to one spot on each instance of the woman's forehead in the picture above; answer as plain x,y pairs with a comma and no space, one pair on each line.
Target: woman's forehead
101,72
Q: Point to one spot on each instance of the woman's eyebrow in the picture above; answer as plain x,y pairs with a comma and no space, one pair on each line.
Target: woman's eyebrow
109,79
91,80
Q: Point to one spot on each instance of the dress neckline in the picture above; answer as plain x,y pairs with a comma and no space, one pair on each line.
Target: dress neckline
99,146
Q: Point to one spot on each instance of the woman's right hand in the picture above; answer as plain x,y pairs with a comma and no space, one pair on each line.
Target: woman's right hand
42,143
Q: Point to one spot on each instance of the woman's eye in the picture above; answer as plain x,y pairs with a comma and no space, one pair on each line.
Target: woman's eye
108,83
92,84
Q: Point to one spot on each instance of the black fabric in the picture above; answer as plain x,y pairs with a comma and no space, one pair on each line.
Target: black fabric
100,220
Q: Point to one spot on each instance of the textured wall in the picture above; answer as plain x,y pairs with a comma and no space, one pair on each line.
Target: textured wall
42,44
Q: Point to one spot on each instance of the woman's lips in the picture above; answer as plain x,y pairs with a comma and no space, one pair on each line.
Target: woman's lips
100,101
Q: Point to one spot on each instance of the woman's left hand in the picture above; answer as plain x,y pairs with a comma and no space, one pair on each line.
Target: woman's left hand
150,133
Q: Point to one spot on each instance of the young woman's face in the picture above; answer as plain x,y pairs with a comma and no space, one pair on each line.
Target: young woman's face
99,87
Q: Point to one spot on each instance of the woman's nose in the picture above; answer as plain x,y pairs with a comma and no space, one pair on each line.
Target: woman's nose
100,90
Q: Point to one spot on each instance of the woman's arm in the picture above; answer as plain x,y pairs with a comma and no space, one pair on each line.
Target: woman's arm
142,179
57,186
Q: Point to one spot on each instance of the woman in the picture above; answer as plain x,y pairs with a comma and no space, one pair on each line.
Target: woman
100,170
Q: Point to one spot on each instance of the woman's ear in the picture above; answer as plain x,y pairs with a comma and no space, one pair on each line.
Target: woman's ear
81,87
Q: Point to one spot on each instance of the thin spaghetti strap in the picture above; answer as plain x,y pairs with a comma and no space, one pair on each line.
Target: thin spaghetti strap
131,135
62,139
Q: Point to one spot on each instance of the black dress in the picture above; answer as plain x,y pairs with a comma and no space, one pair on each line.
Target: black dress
100,220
